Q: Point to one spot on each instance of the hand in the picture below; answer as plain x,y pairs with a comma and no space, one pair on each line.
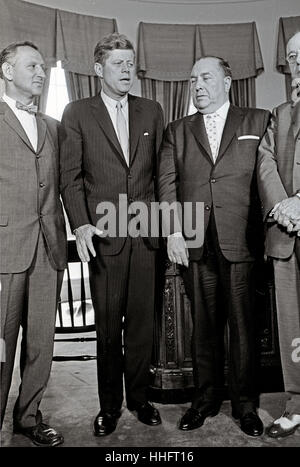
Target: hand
84,243
287,213
177,250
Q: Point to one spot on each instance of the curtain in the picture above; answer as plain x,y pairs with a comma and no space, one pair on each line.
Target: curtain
242,92
166,54
80,86
287,28
173,96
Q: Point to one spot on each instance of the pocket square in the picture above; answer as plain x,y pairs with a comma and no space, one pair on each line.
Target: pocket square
248,137
146,133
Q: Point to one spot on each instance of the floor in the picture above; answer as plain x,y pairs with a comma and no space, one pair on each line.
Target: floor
71,403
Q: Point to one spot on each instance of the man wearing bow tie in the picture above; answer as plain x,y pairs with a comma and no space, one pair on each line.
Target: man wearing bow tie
279,187
210,157
109,146
32,237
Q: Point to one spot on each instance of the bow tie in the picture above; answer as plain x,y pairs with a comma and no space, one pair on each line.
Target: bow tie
32,109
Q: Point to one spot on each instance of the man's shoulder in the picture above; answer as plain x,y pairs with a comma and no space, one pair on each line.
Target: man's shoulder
181,122
143,102
254,111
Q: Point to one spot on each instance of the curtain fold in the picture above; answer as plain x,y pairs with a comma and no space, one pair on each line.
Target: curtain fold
76,38
80,86
173,96
242,92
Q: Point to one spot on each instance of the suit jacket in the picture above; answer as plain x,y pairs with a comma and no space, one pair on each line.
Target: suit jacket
29,194
93,168
228,187
278,173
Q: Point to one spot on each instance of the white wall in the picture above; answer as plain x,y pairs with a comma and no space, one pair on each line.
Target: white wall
270,85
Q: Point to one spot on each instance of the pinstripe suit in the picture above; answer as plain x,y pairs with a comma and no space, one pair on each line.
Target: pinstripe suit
93,169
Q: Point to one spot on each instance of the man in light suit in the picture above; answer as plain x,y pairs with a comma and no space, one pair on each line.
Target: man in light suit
210,157
279,187
32,237
109,146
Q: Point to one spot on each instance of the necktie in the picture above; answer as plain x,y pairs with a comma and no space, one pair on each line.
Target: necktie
122,132
32,109
295,91
211,129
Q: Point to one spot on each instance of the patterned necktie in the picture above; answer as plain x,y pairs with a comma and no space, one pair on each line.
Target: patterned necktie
295,96
122,132
32,109
211,129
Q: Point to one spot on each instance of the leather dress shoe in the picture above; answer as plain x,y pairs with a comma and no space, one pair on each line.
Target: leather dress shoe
41,435
105,423
146,413
251,424
276,430
194,418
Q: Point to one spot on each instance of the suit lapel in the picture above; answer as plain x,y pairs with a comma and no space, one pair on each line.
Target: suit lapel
101,114
197,126
233,120
295,118
13,122
41,130
134,126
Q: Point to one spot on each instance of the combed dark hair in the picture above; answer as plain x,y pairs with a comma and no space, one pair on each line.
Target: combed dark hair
111,42
223,64
11,50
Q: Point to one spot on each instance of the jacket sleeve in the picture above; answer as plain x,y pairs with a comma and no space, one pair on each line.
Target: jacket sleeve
270,186
71,168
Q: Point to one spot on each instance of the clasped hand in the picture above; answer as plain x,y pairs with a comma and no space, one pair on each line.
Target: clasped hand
287,214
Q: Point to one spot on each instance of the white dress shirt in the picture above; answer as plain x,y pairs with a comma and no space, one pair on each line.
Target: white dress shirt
221,115
111,105
27,120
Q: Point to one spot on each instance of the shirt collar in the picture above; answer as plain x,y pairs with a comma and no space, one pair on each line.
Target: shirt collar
111,103
11,102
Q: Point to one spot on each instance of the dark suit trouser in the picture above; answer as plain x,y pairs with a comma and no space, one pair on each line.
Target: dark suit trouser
221,291
123,286
29,299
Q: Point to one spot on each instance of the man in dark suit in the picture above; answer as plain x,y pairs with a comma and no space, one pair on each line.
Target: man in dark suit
32,237
278,171
109,146
210,157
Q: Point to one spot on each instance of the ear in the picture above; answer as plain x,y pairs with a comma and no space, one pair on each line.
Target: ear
98,69
227,83
7,70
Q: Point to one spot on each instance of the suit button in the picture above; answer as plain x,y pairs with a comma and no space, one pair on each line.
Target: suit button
213,180
41,215
129,176
37,156
131,200
207,207
42,185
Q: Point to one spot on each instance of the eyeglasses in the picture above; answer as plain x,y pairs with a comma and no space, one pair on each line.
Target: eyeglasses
292,57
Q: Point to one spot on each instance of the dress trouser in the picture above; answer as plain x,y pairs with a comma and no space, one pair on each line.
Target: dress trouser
122,290
29,299
220,292
287,290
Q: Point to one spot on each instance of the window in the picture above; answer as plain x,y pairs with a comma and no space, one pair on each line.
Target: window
57,95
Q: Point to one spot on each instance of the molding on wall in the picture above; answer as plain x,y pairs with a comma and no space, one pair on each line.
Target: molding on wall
195,2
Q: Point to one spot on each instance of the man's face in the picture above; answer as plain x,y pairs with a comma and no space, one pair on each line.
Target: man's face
293,53
209,86
117,72
25,73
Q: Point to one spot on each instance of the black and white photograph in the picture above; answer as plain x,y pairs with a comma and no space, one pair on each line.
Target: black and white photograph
150,226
